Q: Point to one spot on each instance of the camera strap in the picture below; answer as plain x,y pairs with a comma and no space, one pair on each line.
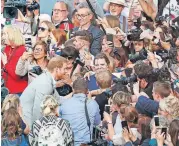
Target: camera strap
124,24
87,117
8,60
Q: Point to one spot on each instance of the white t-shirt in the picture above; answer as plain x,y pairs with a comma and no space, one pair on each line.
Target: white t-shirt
174,7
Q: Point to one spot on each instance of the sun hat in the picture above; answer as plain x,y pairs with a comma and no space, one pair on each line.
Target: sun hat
119,2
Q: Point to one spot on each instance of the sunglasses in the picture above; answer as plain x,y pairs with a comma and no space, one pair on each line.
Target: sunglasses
42,28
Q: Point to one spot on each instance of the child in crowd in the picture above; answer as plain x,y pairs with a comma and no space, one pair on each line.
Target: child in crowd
12,134
12,101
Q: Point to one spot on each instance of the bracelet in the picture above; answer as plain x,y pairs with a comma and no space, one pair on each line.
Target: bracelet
109,122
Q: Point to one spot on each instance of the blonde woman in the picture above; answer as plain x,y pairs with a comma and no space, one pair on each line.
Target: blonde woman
14,48
44,30
45,34
50,129
169,107
12,101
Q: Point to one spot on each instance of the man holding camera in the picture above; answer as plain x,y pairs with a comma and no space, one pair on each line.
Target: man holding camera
145,77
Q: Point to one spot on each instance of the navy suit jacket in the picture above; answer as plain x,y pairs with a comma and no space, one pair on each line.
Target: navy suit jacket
97,35
92,84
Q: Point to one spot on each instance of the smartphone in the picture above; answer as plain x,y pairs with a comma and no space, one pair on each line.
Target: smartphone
107,109
109,37
28,44
30,50
110,31
164,130
156,118
124,125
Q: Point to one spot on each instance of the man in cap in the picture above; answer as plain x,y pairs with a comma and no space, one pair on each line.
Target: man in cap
115,8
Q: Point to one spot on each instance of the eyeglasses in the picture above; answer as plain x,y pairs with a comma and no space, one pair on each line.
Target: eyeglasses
82,16
42,29
38,49
58,10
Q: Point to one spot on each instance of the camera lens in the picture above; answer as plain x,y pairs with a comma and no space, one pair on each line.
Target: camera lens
10,12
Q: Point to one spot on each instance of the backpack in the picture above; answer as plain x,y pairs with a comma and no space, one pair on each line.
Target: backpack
50,134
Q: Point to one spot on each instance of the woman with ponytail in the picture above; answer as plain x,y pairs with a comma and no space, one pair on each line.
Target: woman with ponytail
12,101
50,128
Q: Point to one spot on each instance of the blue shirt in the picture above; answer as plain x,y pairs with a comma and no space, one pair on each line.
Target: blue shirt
73,110
147,106
19,141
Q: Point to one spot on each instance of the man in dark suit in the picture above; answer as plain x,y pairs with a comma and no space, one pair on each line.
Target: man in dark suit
85,17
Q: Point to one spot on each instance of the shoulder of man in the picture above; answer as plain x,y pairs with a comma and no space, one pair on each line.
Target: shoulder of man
95,29
92,104
147,103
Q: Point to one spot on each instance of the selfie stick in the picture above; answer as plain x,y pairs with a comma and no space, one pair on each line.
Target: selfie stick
95,15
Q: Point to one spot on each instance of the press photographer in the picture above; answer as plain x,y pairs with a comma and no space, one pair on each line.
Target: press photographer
138,44
145,79
22,12
33,62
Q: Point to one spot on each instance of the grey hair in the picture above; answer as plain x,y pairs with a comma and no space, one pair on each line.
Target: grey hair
84,5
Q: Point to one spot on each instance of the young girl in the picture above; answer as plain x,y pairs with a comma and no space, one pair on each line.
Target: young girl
12,100
11,131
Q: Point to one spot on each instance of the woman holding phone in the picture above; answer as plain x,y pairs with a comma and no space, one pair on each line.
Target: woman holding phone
33,62
14,48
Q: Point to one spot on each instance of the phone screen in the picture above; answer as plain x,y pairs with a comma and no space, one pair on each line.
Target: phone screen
164,130
107,109
156,121
124,125
109,37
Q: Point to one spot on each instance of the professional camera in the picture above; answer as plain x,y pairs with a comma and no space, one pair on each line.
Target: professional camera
36,70
159,20
171,55
162,74
33,6
125,81
97,139
142,55
177,2
134,34
174,31
10,9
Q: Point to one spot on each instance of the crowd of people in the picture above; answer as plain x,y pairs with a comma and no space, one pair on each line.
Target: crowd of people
82,80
